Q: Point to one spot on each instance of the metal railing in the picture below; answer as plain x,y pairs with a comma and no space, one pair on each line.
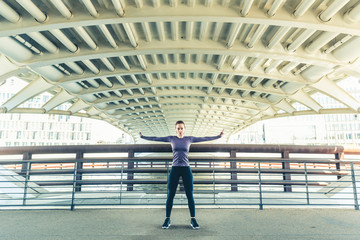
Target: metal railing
243,175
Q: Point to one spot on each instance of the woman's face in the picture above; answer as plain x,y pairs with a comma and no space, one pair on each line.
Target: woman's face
180,130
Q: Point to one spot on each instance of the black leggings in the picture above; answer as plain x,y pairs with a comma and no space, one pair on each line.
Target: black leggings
187,177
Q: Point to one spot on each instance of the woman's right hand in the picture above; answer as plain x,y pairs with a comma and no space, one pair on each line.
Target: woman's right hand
140,134
222,133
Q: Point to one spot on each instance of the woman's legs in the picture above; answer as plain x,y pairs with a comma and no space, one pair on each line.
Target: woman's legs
187,177
188,185
172,185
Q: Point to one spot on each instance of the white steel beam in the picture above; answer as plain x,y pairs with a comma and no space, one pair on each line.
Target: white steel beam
29,6
62,8
60,98
118,7
303,98
303,6
90,7
9,13
332,9
353,14
31,90
331,89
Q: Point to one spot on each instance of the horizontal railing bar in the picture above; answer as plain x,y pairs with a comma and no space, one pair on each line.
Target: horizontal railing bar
179,198
304,204
154,181
261,148
352,151
161,181
145,180
35,205
193,169
191,158
261,160
177,204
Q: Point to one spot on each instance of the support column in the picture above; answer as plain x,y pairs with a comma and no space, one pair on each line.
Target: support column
286,166
339,166
181,185
234,186
27,166
79,155
130,175
26,156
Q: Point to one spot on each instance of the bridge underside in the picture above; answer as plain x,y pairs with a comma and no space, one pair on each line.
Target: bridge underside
214,64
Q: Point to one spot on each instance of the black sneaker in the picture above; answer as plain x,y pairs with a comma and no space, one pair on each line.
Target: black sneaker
166,223
194,224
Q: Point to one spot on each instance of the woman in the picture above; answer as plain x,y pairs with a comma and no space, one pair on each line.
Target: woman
180,167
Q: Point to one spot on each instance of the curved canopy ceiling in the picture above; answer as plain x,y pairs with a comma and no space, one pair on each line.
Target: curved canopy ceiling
214,64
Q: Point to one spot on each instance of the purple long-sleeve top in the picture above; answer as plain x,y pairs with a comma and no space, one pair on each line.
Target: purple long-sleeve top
181,146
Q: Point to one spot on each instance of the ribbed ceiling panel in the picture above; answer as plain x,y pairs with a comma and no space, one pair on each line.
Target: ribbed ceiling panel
214,64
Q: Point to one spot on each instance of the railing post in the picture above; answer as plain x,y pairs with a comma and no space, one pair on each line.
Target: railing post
214,187
72,207
234,186
260,188
307,185
130,175
121,180
27,178
26,156
286,166
181,186
167,170
339,166
79,155
356,203
25,171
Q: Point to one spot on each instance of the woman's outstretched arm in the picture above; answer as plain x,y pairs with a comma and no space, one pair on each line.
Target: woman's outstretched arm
203,139
158,139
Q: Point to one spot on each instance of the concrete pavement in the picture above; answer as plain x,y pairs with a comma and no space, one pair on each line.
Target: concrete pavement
215,223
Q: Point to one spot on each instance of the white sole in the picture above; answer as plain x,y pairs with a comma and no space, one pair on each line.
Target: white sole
194,227
166,227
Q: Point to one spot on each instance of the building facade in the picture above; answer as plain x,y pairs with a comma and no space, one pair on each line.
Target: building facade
49,129
327,129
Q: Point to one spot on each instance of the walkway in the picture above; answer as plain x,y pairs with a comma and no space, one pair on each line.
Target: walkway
144,223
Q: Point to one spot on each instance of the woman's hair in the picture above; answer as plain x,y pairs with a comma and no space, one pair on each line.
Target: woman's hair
179,122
